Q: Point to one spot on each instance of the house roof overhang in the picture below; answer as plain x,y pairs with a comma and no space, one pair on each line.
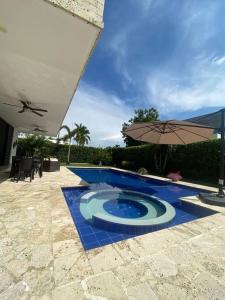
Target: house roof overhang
44,50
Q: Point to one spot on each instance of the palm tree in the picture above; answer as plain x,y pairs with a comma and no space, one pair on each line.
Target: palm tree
67,138
81,134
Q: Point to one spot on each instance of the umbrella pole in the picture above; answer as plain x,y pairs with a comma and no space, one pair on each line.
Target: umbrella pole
222,149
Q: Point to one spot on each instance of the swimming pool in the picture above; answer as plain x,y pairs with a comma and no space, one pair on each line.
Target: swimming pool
118,205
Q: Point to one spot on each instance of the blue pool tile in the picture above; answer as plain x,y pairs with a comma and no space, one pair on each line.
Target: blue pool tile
105,242
85,230
114,234
117,238
89,246
89,238
102,235
96,229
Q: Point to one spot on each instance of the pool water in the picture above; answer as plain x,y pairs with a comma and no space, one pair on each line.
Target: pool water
125,208
93,236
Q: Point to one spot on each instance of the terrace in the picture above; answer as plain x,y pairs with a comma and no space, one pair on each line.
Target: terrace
42,255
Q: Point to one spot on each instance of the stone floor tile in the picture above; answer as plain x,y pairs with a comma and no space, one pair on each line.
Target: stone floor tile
104,285
66,247
69,291
162,266
103,259
71,268
41,256
141,292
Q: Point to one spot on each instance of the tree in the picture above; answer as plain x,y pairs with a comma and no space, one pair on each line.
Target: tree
81,134
141,115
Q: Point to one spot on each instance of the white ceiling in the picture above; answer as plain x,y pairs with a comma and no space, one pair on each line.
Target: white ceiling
43,50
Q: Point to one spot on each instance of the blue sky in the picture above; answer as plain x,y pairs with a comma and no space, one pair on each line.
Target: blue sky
167,54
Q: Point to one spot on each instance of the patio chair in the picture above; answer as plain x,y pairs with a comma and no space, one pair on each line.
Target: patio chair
14,167
25,169
38,166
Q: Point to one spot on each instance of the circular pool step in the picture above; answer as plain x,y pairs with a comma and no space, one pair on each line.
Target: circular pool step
125,210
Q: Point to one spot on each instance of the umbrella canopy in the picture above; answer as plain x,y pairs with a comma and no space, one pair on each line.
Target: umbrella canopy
171,132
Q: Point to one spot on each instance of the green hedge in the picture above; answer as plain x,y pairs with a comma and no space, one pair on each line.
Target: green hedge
137,156
199,161
80,154
38,145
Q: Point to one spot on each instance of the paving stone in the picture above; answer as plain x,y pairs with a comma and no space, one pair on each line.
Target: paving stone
103,259
208,287
129,275
69,291
141,292
5,280
104,285
38,281
18,291
168,291
70,268
18,267
41,256
65,247
162,266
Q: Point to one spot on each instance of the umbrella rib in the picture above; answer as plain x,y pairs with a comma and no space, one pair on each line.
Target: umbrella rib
140,136
178,136
146,126
196,133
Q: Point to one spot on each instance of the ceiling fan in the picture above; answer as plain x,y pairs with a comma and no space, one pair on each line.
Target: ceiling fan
26,106
37,129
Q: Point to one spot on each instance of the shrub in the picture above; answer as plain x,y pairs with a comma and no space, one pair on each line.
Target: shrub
83,154
36,145
199,161
143,171
127,164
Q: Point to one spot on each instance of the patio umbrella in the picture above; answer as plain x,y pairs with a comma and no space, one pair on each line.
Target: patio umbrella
171,132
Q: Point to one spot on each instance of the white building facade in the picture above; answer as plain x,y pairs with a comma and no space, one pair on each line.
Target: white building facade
44,48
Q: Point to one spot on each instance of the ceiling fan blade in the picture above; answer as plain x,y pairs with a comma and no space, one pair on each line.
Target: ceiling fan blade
38,109
21,111
39,130
36,113
11,104
24,103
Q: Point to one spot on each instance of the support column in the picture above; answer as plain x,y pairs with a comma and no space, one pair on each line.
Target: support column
222,149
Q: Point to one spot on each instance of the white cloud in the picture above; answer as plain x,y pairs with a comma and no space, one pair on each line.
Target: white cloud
101,112
114,137
205,87
219,61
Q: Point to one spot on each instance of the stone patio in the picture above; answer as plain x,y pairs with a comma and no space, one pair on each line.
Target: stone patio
41,256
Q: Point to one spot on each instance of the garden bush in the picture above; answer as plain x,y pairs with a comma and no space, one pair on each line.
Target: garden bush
83,154
199,161
37,145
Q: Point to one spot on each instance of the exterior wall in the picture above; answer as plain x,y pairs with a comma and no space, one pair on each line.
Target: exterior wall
90,10
6,137
13,148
